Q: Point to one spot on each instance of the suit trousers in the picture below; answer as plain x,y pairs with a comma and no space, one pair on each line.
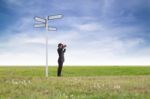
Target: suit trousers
60,65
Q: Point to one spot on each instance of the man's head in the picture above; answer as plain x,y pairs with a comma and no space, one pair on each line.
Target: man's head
60,45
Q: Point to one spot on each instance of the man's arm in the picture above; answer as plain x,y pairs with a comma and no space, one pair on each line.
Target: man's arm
64,50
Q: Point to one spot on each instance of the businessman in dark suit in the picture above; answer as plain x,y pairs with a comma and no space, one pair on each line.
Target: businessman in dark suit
61,50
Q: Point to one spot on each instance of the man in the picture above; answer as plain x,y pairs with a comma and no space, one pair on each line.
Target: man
61,50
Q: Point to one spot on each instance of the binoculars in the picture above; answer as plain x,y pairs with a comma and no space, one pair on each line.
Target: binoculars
64,45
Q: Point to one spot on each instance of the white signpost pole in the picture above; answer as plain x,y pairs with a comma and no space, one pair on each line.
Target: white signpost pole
44,23
46,69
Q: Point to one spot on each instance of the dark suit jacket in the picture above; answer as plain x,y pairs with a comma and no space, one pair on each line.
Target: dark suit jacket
61,52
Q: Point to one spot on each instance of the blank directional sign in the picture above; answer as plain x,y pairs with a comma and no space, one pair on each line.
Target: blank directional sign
52,29
39,25
40,19
54,17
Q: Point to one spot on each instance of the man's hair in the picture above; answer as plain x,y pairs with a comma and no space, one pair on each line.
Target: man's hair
60,44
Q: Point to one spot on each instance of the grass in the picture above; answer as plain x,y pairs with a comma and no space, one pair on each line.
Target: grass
112,82
76,71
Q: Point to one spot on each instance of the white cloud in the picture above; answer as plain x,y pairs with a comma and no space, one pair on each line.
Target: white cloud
104,50
90,27
15,2
10,58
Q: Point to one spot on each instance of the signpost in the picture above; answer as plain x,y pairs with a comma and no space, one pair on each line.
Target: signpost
40,19
54,17
41,22
39,25
52,29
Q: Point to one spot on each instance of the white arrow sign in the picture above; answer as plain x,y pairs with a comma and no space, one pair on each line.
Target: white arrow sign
52,29
39,25
54,17
40,19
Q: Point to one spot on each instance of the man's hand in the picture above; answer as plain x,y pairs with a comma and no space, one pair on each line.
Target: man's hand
64,45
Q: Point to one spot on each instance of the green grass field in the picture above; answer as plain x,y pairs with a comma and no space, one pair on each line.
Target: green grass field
107,82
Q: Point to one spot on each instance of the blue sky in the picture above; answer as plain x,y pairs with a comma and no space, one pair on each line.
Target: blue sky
97,32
